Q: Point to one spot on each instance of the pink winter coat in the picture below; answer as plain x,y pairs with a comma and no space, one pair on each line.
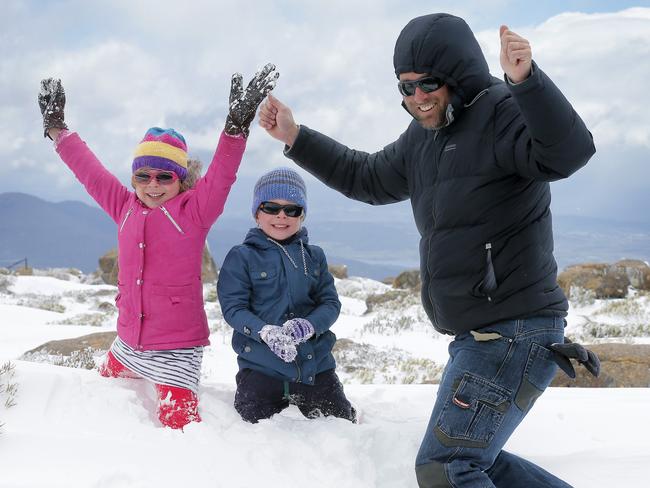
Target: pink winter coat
160,294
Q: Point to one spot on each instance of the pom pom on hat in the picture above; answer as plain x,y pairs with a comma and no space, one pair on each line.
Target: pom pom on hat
162,149
280,184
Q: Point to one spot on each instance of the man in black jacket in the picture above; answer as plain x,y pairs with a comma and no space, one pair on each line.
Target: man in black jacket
476,163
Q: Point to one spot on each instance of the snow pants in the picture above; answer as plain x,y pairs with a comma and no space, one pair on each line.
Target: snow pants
259,396
491,381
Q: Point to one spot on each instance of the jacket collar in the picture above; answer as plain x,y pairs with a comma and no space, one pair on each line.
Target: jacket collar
255,237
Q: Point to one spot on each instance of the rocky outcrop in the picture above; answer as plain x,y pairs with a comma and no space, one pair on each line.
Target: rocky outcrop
602,280
339,271
108,267
638,272
621,366
80,352
99,341
376,300
209,270
408,280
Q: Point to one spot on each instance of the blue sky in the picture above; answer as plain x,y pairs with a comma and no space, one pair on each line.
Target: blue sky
130,65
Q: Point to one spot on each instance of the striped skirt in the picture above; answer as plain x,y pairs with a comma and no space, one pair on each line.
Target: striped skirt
173,367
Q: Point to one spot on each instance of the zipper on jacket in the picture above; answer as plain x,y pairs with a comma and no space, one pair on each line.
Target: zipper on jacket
433,218
299,372
490,280
171,219
125,218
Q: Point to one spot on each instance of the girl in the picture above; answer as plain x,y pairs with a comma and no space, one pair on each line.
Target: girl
276,277
162,226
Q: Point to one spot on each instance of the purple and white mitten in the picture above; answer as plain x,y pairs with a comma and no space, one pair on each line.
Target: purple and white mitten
279,342
300,330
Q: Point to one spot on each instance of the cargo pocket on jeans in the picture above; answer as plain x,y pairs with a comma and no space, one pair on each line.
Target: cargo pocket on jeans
472,413
540,370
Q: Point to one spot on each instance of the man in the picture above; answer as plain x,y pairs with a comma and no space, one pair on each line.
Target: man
476,163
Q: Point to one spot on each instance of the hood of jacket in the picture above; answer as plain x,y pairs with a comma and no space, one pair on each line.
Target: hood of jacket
255,237
444,46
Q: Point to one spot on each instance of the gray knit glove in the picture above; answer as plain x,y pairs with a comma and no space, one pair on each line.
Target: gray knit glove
300,330
51,101
244,103
279,342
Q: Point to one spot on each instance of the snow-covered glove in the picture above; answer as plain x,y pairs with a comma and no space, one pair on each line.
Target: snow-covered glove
51,101
244,103
279,342
571,350
300,330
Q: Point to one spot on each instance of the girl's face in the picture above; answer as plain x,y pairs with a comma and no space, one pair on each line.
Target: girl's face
154,187
280,226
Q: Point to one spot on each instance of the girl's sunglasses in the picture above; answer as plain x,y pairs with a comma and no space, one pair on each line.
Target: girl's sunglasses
162,177
273,208
427,85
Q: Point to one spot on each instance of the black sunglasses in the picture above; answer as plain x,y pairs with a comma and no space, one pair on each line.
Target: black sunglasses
427,85
273,208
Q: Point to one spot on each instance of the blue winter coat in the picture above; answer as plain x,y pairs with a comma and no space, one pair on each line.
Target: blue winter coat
258,285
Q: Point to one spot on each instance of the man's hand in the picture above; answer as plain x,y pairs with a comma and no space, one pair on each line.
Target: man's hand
278,121
516,56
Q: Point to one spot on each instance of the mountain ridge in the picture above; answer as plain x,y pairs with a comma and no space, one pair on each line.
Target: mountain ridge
72,233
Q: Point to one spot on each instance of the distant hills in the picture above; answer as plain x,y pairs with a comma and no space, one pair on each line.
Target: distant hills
74,234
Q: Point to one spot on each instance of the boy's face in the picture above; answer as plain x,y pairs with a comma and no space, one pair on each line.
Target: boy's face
280,226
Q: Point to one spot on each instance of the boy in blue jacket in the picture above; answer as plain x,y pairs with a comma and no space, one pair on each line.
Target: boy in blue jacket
277,294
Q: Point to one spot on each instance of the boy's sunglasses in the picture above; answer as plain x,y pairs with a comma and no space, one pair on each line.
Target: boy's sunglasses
273,208
162,177
427,85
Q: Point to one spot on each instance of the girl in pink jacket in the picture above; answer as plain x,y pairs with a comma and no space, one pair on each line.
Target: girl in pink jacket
162,226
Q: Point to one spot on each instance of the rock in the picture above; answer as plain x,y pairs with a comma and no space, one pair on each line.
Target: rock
108,267
24,271
99,341
209,271
377,299
603,280
409,280
621,366
339,271
107,307
638,272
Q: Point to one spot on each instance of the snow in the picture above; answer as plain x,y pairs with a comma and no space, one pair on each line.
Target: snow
71,427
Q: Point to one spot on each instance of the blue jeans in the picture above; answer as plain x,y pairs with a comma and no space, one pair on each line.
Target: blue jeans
493,377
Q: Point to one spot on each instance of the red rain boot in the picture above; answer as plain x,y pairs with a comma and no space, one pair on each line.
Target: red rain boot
112,368
177,407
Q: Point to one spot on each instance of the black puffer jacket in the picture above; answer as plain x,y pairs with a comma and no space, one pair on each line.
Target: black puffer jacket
479,188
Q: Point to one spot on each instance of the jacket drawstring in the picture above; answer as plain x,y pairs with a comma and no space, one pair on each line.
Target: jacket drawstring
302,253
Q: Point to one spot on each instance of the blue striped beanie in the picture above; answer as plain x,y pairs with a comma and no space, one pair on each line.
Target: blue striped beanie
280,184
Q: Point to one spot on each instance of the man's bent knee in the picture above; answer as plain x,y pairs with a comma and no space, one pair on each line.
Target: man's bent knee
432,475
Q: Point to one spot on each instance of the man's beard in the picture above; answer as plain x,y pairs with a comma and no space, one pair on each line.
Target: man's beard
438,122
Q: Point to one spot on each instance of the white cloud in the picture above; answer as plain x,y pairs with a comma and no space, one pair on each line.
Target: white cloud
129,65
